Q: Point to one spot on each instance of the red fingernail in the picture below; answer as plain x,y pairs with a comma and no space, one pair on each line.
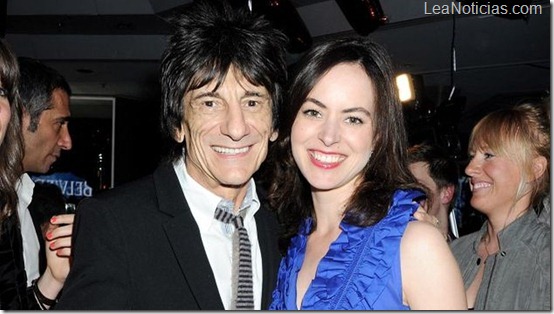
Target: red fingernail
52,245
49,235
53,219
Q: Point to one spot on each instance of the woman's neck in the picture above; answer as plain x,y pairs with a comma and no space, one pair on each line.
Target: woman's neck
500,218
329,208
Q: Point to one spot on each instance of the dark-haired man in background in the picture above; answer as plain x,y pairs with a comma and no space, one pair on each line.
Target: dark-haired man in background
436,171
45,100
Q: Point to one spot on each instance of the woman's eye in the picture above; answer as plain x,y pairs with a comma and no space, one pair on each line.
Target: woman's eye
3,92
252,103
354,120
488,155
209,103
311,113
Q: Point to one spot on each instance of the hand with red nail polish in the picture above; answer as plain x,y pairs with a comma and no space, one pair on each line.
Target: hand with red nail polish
58,241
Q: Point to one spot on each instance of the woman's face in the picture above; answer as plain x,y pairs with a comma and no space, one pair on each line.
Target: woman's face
332,135
5,112
494,181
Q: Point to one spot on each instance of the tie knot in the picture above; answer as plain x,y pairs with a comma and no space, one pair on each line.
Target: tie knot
228,218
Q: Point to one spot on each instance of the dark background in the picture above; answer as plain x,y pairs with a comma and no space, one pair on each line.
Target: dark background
112,48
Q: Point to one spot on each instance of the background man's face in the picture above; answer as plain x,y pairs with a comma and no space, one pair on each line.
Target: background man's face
420,170
43,146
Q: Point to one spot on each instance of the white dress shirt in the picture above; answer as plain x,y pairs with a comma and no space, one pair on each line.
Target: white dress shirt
217,238
31,246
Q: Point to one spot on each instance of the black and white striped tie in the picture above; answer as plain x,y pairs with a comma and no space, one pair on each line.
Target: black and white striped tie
243,290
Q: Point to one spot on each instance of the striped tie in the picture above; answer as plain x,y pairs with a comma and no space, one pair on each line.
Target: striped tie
243,290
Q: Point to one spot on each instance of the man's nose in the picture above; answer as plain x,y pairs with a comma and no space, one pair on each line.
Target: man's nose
235,125
65,138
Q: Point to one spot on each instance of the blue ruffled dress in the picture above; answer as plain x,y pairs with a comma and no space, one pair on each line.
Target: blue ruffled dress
361,270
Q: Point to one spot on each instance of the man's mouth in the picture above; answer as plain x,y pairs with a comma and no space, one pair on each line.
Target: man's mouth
230,151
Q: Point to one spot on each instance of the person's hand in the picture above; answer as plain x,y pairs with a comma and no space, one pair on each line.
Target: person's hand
58,245
58,252
422,215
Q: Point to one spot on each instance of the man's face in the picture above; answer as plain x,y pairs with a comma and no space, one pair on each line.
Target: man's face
420,171
43,146
227,132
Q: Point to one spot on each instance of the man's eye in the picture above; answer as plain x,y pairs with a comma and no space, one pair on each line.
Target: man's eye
3,92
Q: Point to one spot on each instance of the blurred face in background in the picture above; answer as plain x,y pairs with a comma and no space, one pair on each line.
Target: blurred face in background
44,145
420,170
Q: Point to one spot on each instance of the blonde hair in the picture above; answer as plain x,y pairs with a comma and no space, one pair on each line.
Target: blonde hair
521,134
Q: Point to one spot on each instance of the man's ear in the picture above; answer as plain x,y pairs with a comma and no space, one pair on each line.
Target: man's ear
25,119
539,167
274,136
179,133
447,194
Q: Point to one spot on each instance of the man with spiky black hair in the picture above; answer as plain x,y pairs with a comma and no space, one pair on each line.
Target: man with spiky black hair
154,244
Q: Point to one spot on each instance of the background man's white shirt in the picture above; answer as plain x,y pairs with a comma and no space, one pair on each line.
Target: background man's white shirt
31,245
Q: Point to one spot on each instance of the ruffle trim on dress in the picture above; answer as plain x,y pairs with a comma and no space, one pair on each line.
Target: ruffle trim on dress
354,272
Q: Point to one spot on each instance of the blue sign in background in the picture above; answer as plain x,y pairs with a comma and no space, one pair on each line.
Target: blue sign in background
71,185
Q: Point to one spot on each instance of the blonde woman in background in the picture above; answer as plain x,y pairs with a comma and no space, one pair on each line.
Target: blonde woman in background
506,264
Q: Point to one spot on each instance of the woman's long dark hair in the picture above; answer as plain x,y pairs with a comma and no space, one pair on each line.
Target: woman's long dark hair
387,170
11,148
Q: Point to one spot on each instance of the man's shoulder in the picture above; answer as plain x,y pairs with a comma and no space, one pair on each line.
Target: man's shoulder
127,190
142,192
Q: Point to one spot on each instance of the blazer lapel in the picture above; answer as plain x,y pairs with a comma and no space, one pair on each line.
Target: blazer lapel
184,237
268,239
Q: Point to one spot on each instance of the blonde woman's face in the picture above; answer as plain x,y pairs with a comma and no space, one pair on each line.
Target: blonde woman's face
494,181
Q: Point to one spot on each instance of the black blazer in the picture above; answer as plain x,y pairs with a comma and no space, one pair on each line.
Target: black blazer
14,294
138,247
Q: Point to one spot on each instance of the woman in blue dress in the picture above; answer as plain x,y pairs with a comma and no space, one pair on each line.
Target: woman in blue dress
345,195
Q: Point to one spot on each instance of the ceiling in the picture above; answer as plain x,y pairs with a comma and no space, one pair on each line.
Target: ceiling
113,47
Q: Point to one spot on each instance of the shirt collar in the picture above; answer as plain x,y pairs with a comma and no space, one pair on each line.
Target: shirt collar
25,187
202,202
509,234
